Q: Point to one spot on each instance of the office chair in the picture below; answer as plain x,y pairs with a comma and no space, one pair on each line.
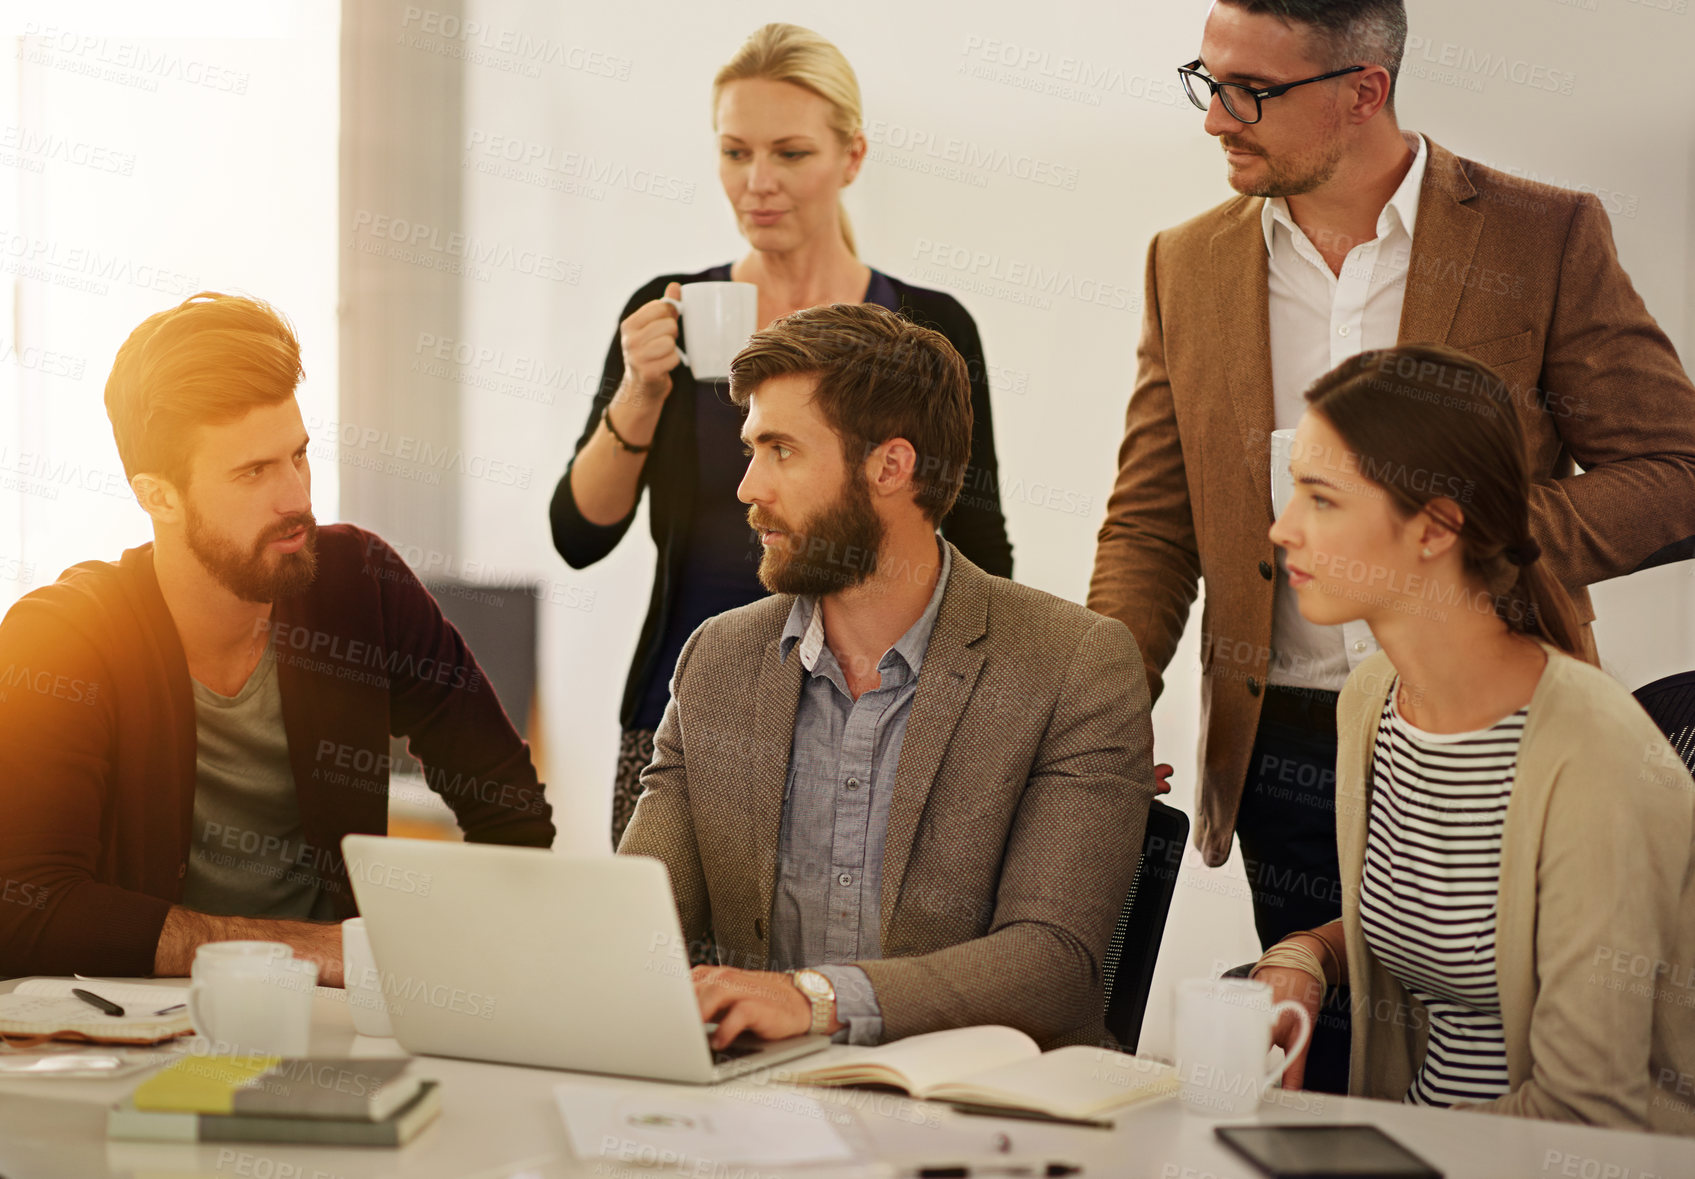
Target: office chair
1128,969
500,625
1671,702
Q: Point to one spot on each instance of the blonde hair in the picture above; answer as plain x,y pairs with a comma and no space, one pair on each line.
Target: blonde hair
788,53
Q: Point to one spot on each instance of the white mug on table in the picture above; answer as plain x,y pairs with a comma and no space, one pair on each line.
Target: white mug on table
364,985
1224,1030
252,998
212,953
719,317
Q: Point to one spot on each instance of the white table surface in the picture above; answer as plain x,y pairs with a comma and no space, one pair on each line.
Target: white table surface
500,1122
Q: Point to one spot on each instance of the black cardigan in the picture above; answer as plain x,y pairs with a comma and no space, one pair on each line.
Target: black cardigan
975,525
97,744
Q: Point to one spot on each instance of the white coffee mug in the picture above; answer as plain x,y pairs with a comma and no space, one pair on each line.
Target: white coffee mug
364,985
1282,482
1223,1034
214,952
254,1003
719,317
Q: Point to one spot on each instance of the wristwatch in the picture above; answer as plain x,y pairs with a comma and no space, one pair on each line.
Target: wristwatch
821,993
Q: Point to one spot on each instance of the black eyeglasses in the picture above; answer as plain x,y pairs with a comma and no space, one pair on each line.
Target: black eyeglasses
1243,102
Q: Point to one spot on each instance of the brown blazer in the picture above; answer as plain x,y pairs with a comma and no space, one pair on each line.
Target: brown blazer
1522,276
1019,805
1595,925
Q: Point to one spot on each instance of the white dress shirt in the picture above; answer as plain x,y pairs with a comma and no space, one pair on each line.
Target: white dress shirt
1318,320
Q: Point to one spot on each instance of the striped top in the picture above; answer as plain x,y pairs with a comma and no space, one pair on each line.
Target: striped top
1428,895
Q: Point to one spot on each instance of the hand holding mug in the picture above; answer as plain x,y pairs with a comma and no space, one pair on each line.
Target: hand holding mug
1289,985
1224,1034
648,340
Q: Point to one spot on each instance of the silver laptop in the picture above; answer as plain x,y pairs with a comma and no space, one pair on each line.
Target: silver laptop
522,956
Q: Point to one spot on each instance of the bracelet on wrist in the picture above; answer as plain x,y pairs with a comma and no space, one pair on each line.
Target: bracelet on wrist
632,448
1293,955
1334,963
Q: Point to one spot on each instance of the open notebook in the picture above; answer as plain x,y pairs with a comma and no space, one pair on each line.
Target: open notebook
996,1069
45,1007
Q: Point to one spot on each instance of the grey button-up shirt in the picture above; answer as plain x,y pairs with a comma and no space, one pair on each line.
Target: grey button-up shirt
836,808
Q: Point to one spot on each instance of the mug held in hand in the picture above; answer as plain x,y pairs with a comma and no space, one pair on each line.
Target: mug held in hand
720,317
1224,1031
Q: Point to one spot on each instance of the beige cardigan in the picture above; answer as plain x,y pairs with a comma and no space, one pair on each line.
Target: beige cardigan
1595,925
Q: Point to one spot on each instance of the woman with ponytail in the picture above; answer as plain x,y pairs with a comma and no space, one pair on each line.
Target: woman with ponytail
786,110
1518,906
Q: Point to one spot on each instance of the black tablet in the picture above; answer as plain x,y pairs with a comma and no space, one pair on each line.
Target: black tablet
1325,1152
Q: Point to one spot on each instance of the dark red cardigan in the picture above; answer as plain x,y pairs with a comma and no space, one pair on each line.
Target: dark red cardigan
97,744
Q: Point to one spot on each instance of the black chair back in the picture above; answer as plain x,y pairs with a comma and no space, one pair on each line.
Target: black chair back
1671,702
499,624
1130,955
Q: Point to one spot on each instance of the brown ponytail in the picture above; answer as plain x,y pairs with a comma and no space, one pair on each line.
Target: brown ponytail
1537,597
1429,423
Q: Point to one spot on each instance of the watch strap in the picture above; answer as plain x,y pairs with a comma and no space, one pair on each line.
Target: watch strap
822,1004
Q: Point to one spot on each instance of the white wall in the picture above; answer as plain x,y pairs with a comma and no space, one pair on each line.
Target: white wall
139,165
619,96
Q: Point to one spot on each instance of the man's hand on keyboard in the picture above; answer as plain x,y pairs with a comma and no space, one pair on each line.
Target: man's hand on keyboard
767,1004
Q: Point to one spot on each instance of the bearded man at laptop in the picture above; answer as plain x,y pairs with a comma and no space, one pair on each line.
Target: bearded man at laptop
919,787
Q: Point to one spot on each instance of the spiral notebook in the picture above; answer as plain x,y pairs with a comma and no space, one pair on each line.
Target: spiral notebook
44,1008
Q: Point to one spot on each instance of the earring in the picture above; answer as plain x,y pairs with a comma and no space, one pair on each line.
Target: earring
1427,550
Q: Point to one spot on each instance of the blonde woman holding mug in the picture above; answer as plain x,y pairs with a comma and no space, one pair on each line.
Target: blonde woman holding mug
786,110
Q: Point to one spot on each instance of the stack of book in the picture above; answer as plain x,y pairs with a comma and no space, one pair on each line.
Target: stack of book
331,1101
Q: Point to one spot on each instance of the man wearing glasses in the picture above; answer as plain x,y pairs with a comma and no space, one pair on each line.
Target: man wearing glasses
1351,234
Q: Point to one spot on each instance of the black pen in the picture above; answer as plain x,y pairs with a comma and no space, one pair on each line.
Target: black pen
93,1000
964,1171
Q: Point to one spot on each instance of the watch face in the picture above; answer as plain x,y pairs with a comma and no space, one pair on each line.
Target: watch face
814,983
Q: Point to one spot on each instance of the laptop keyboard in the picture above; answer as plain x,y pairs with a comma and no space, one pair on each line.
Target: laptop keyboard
739,1048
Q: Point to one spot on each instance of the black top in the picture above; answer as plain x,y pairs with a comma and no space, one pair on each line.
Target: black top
721,554
708,558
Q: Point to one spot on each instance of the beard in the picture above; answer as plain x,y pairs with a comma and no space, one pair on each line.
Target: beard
256,575
1291,177
835,550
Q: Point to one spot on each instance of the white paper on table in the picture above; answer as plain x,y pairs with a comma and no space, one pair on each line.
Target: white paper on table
125,994
46,1005
668,1126
79,1065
